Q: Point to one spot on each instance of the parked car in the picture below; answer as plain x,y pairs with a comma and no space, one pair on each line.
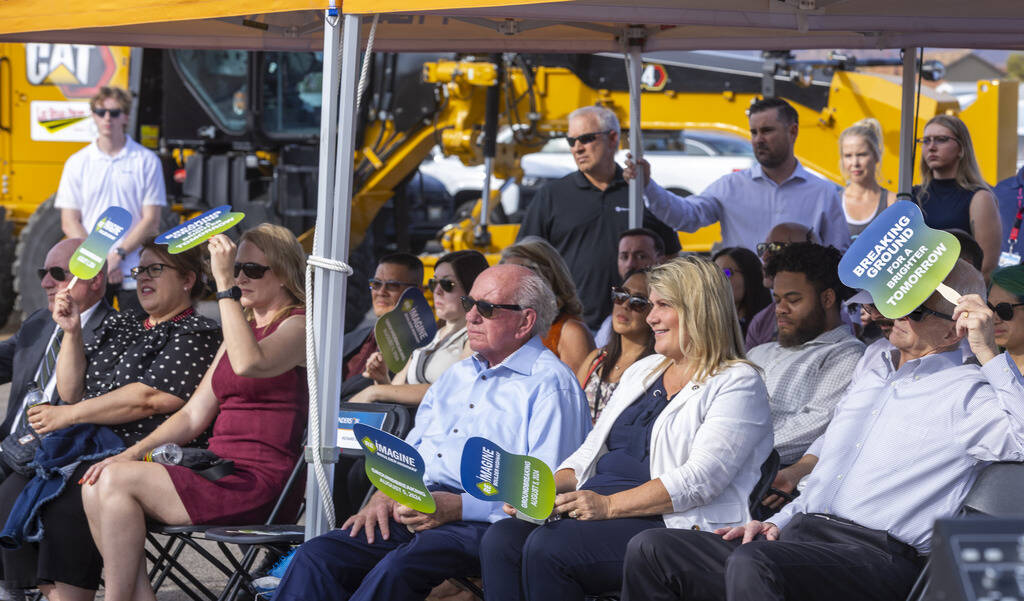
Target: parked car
684,162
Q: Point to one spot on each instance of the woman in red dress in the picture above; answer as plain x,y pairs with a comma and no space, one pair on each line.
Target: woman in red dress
255,396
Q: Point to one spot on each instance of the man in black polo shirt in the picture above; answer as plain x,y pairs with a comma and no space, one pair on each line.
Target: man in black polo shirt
583,213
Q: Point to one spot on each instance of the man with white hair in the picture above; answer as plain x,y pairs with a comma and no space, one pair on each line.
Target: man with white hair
906,442
515,393
583,213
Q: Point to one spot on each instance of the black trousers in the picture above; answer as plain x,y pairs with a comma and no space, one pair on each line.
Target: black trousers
814,558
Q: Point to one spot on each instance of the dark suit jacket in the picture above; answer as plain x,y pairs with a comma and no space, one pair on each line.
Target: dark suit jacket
21,354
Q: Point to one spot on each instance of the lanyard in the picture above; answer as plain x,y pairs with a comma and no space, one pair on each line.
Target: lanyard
1015,230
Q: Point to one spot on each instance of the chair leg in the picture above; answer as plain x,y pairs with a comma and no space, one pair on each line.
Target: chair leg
917,592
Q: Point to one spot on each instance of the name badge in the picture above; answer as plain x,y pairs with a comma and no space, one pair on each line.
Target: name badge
1008,259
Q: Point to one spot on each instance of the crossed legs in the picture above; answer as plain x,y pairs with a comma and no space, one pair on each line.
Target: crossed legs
117,506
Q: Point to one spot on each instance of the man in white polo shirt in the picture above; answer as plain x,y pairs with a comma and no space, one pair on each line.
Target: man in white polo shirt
114,170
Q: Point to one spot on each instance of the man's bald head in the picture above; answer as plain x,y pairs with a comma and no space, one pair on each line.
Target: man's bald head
86,292
792,232
965,279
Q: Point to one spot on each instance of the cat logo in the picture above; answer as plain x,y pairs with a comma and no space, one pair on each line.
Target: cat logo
79,70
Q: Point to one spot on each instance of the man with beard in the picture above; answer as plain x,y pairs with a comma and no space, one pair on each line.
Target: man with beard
750,202
808,369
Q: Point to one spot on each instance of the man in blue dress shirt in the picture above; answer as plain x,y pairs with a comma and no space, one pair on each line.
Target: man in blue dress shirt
748,203
514,392
903,449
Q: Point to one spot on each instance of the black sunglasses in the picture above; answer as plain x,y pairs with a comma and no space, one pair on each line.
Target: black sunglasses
152,271
919,313
485,308
445,284
389,285
114,113
58,273
770,247
253,271
633,302
1003,310
586,138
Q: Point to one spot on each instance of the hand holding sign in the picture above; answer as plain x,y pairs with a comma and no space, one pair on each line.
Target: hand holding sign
88,259
395,468
406,327
901,261
199,229
490,473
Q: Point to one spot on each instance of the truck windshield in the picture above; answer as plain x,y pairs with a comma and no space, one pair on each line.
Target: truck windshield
291,93
219,79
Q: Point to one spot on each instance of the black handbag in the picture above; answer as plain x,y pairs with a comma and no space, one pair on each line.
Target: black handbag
18,449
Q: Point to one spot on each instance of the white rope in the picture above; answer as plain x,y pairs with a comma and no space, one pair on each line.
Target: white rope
365,72
312,367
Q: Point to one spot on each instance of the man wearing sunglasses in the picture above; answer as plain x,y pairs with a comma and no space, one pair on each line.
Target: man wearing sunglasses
114,170
748,203
395,273
903,449
28,357
583,213
512,391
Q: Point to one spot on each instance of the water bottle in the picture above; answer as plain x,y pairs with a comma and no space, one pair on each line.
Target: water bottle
34,397
167,454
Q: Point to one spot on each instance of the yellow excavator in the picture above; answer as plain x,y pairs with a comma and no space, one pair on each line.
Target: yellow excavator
240,128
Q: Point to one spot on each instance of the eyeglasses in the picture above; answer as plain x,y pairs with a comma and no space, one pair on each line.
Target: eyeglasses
620,296
1003,310
101,113
937,140
152,271
485,308
921,312
770,247
389,285
728,272
445,284
58,273
586,138
253,271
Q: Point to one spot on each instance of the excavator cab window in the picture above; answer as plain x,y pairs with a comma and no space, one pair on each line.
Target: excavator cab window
219,80
291,84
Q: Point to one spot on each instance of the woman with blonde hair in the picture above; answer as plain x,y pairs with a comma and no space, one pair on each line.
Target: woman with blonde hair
569,339
860,154
680,444
952,194
255,396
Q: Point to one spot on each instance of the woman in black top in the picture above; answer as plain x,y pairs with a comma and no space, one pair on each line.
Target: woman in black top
952,194
140,372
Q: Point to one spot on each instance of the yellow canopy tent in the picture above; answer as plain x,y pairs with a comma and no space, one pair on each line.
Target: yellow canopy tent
487,26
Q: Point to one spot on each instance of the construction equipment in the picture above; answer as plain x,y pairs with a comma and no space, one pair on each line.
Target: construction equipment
241,128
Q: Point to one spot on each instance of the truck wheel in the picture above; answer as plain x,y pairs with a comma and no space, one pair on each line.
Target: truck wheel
6,273
37,238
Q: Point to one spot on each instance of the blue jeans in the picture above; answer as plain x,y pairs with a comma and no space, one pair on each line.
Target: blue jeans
338,567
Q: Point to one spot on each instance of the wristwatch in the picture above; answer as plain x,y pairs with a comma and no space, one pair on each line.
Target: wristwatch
234,293
120,252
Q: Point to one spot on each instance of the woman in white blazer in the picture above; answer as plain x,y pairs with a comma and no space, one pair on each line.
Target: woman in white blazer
680,444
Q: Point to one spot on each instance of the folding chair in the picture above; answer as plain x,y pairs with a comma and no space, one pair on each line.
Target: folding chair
996,493
390,417
165,554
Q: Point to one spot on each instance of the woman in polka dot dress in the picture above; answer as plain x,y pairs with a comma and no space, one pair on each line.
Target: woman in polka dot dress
141,370
255,396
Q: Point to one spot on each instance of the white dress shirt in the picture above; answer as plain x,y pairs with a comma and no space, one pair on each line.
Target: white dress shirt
749,204
905,445
707,445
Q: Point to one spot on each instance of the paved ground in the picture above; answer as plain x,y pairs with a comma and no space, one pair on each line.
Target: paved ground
195,564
